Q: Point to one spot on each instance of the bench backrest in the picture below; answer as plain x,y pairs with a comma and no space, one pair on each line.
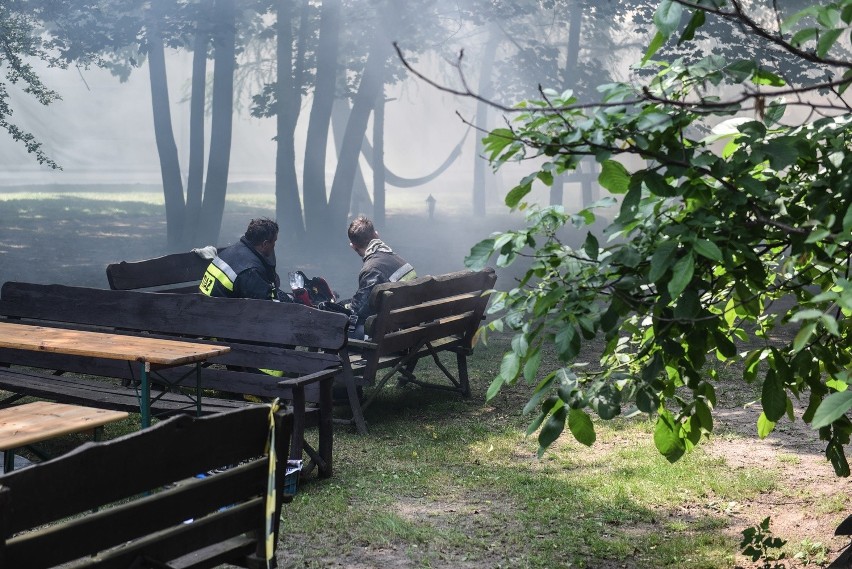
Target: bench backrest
430,308
151,502
261,334
178,272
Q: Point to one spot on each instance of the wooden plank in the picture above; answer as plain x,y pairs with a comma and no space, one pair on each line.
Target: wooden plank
451,327
166,270
427,288
102,345
407,316
22,425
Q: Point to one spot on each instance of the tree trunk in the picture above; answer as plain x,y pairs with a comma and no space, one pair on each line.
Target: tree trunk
371,84
361,201
569,79
288,205
165,139
479,163
313,180
224,43
379,158
195,180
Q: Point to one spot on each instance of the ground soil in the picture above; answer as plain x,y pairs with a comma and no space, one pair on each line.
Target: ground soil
73,246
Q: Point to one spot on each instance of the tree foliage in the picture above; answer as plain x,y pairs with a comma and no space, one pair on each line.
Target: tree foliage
733,195
21,42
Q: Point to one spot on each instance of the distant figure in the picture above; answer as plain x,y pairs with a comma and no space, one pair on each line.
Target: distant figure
247,268
431,201
381,265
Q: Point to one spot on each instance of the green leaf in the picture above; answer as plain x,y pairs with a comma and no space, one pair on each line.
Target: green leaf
773,398
807,314
708,249
827,40
551,430
591,247
803,36
614,177
581,427
653,121
494,388
681,275
782,152
662,259
518,193
497,140
653,47
695,22
832,408
803,336
774,111
658,185
764,77
667,17
666,437
764,426
510,366
532,364
847,77
567,342
479,255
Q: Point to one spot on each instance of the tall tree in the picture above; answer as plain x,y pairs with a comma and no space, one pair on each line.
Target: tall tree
313,183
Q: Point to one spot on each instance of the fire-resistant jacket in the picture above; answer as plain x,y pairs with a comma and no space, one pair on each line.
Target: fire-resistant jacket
239,271
381,265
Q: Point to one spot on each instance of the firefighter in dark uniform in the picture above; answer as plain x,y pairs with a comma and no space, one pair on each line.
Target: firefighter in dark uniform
247,268
381,265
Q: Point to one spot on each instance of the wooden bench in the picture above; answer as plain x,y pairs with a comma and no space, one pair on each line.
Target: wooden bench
414,320
143,500
261,334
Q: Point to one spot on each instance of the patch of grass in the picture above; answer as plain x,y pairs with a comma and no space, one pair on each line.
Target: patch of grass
441,478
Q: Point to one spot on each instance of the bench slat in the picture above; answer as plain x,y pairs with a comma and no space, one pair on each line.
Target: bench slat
167,270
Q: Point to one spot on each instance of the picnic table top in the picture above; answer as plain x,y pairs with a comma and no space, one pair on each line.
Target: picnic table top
103,345
41,420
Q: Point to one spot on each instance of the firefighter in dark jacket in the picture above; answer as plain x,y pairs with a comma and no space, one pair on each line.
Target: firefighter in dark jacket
381,265
247,268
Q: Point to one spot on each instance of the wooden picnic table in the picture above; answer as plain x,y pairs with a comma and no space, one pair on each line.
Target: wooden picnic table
151,353
23,425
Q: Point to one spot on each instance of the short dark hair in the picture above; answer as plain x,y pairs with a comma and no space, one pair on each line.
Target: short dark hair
361,231
260,230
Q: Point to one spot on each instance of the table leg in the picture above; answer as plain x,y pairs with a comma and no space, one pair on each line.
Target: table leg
145,402
198,389
8,460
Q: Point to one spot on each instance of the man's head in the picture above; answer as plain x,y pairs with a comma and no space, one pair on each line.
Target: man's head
361,232
262,233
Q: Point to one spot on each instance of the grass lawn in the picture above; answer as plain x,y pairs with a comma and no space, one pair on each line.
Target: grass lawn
445,482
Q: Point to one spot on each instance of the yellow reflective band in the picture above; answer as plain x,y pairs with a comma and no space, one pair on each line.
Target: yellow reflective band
220,276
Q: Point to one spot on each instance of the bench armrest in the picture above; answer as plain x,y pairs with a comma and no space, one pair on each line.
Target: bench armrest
362,344
315,377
